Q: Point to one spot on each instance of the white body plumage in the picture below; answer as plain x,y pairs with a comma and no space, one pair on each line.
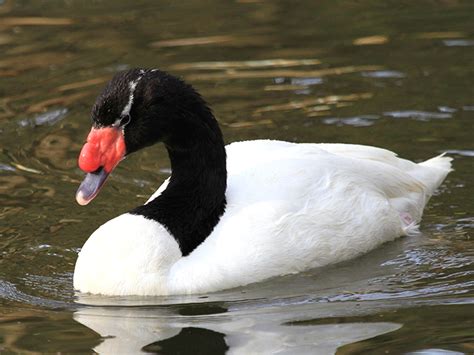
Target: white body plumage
290,207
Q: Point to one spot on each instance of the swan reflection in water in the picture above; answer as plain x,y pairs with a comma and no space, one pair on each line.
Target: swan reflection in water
208,328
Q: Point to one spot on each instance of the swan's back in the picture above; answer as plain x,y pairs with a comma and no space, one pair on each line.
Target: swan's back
407,185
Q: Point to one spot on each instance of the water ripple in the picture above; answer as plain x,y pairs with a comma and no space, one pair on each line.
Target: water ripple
464,153
423,116
358,121
382,74
47,118
458,42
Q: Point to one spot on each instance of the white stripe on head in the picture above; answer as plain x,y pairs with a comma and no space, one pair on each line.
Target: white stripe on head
132,86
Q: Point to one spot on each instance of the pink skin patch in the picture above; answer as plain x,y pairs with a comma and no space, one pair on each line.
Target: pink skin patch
406,218
105,148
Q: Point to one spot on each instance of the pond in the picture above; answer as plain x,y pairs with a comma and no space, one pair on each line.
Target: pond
393,74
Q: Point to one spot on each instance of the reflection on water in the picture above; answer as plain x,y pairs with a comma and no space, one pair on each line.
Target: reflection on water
393,76
132,329
268,63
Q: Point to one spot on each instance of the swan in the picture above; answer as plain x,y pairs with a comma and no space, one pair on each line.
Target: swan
236,214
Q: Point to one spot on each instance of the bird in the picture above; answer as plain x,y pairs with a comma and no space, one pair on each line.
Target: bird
236,214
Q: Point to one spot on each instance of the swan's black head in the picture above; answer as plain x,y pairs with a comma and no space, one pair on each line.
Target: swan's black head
151,106
138,108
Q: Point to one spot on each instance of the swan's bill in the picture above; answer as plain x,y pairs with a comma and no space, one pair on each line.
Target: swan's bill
90,186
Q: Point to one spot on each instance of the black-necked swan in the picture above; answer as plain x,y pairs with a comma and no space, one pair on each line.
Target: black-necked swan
236,214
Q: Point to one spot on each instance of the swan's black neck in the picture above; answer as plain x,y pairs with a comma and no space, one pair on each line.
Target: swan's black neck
153,106
194,200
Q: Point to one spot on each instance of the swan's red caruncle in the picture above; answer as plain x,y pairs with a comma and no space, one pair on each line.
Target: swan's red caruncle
105,147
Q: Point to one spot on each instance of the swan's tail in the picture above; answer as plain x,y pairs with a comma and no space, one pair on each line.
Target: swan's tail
431,174
434,171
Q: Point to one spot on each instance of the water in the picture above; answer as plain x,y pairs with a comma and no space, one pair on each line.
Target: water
392,74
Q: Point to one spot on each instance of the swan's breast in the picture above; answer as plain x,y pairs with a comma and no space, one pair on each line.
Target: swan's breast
127,255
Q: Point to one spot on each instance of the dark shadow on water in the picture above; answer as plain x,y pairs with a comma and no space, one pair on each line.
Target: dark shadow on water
197,309
192,341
